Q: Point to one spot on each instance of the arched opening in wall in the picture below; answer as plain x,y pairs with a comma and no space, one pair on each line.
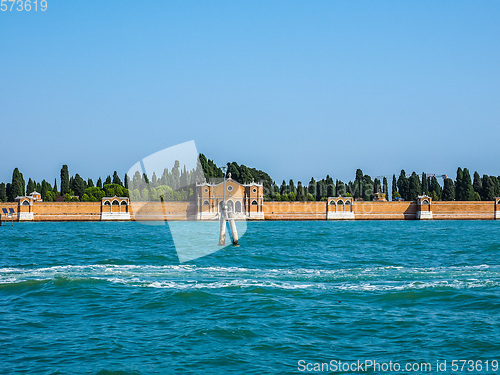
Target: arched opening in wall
115,206
124,203
340,205
254,203
107,203
332,203
237,206
26,203
425,201
205,206
230,206
347,206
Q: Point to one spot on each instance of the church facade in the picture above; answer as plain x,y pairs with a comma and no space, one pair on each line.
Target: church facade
245,201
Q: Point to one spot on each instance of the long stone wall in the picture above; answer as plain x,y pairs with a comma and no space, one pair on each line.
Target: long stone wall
91,211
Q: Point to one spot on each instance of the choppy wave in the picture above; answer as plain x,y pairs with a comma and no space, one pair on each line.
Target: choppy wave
193,277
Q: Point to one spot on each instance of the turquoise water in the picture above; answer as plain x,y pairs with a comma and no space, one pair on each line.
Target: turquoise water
112,298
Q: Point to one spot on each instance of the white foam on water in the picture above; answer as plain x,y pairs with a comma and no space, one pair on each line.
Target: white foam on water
351,279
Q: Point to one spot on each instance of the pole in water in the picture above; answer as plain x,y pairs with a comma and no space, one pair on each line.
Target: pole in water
222,234
234,233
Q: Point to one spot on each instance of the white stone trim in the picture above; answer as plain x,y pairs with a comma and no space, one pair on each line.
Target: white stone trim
115,216
340,215
26,216
424,215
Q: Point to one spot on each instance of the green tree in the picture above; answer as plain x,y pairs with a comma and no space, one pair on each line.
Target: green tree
108,180
95,194
116,179
435,188
425,184
45,189
403,185
477,185
10,192
292,190
125,181
488,192
367,188
3,192
496,184
90,183
99,183
467,188
459,188
67,197
448,190
300,192
330,187
340,189
283,188
30,188
358,184
311,189
394,188
385,188
414,187
50,196
54,188
78,185
64,180
17,183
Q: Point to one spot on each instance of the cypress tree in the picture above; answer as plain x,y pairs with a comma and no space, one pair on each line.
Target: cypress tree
44,189
300,192
54,188
377,186
394,188
64,180
467,189
385,188
331,190
425,184
292,188
358,184
78,185
17,184
435,189
477,185
116,179
367,188
496,184
99,183
311,189
90,183
30,188
403,185
108,180
488,192
10,192
448,190
459,188
414,187
340,189
283,188
125,180
320,189
3,192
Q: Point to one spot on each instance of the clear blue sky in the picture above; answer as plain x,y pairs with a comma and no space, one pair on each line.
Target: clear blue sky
296,88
